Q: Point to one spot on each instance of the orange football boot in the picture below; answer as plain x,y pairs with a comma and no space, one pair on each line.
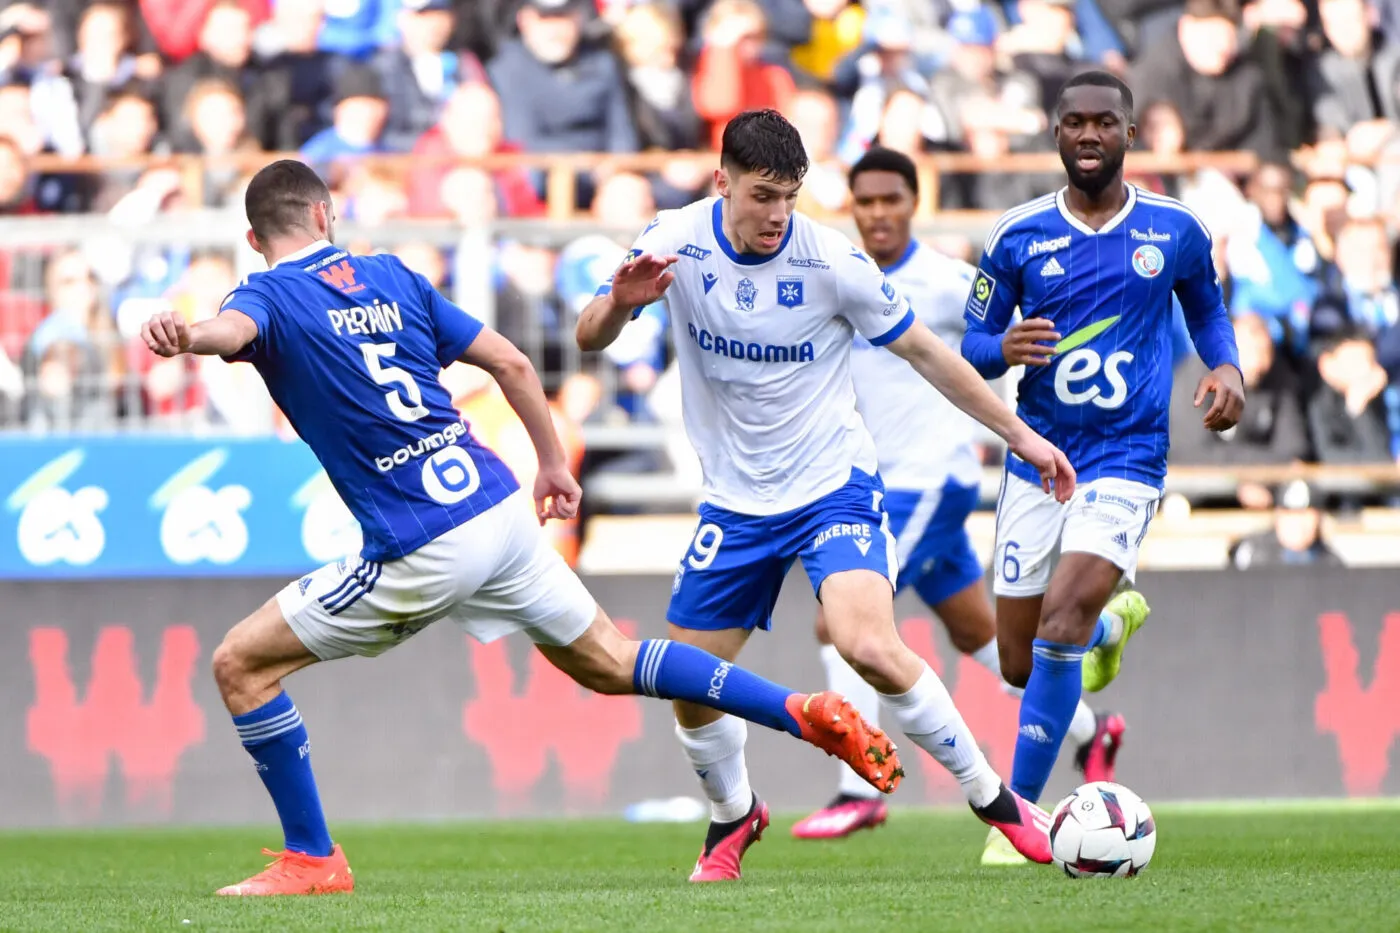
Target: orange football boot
297,873
831,723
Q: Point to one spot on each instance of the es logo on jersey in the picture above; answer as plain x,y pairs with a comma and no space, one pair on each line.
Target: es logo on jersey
1148,261
790,291
978,300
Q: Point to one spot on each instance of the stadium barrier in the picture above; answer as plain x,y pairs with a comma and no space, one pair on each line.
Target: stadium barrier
1258,685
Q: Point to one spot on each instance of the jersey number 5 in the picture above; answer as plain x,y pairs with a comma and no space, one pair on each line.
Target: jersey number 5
392,375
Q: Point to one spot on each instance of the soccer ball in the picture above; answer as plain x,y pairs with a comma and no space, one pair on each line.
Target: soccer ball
1102,830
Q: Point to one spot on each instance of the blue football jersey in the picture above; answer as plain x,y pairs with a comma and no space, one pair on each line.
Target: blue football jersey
351,348
1104,397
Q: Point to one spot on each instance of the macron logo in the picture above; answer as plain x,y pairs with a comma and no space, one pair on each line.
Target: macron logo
1035,733
1052,267
710,280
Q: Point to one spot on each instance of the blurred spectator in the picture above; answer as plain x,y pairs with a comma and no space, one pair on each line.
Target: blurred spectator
558,94
1347,412
882,67
125,129
1279,42
837,28
470,128
650,41
1362,278
1220,94
217,120
300,78
1353,82
788,21
361,109
419,73
225,45
1296,537
72,360
1323,212
103,61
357,29
731,75
815,115
177,26
481,26
1039,46
1273,261
16,190
65,39
1273,429
375,194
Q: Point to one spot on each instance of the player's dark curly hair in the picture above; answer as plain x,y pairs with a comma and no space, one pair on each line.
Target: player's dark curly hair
880,159
1099,79
280,197
764,142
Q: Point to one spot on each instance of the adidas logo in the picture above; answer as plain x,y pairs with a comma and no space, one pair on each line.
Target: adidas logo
1035,732
1121,539
1052,267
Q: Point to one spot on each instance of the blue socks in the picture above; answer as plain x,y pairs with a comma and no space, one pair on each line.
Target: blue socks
673,671
1047,707
276,738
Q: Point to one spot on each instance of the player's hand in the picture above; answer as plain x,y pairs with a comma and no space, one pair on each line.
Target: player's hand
1056,474
642,280
557,494
166,334
1030,343
1228,387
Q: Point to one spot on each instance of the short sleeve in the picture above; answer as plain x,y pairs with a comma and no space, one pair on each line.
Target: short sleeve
869,301
249,301
454,330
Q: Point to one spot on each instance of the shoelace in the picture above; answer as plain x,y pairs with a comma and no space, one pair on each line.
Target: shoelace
283,862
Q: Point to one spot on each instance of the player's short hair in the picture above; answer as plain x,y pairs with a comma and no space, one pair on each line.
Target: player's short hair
280,197
880,159
1099,79
764,142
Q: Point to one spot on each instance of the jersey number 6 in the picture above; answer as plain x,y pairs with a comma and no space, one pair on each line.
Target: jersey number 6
392,375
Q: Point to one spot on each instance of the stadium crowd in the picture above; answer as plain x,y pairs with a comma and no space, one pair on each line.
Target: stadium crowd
1306,242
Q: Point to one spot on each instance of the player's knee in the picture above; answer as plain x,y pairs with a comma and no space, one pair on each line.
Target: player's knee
1067,626
873,657
231,670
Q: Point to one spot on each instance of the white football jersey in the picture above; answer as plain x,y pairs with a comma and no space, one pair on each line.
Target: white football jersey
764,346
922,438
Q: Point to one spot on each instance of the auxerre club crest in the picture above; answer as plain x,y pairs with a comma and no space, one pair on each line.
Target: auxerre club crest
790,291
744,294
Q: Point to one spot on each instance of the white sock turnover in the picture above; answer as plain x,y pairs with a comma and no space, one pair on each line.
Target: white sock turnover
843,679
716,754
1084,724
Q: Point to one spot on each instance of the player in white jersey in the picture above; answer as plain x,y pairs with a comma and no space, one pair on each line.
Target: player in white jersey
764,304
932,480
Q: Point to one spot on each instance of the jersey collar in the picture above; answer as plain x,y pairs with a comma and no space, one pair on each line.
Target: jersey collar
743,259
899,263
1128,204
305,252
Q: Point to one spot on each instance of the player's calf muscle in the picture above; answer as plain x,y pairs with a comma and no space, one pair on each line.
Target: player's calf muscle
602,659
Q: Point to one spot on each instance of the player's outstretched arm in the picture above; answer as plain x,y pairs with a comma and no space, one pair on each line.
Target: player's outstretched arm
953,376
556,493
637,283
169,334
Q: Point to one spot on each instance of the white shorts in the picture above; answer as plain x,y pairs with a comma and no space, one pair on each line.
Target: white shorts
1104,517
493,576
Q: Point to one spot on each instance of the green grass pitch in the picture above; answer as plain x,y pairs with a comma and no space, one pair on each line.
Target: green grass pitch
1227,868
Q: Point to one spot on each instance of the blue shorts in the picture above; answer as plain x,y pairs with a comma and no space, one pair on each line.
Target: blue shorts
731,575
933,551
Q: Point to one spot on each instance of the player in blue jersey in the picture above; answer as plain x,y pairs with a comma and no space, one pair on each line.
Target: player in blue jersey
351,348
1093,269
764,303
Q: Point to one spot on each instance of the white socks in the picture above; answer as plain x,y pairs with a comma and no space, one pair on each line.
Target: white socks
716,754
1084,723
843,679
927,715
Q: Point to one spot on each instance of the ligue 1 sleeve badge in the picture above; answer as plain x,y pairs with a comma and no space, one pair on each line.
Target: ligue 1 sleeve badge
1148,261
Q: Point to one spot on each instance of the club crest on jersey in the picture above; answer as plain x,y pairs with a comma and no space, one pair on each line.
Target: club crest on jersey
744,294
790,291
1148,261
